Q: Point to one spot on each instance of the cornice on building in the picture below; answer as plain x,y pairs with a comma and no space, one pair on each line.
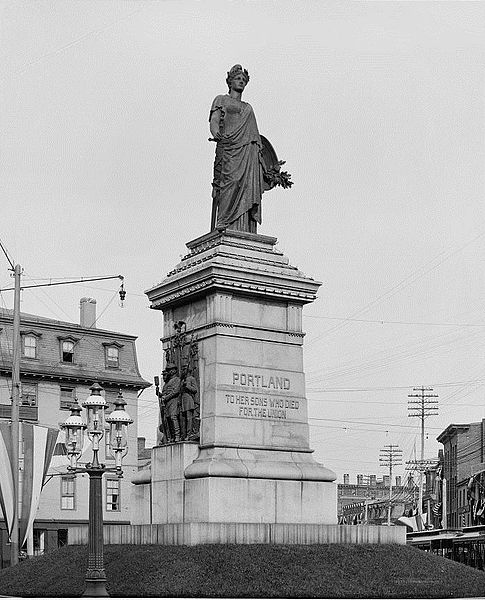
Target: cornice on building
110,378
453,430
39,368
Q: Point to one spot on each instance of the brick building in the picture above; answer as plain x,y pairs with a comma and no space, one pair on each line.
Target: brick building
463,462
366,500
59,363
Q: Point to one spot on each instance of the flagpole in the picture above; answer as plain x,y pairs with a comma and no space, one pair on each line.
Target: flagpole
14,538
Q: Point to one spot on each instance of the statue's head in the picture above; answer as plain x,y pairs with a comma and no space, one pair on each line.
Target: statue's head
171,369
234,72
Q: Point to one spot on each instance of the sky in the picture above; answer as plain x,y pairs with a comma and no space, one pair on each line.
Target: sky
377,109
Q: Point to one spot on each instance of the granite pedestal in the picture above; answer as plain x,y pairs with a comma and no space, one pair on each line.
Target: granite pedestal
242,300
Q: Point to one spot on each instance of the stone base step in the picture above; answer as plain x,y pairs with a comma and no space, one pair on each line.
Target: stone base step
192,534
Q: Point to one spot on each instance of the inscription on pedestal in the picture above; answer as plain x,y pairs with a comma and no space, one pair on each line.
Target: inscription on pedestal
274,382
262,407
261,394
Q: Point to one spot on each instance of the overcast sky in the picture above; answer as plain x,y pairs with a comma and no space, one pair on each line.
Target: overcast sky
378,110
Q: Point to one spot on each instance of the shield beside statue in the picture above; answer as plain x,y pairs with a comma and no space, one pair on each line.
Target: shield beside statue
272,173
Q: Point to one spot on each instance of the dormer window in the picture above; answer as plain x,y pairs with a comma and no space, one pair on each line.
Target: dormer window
68,352
30,341
30,346
67,345
112,354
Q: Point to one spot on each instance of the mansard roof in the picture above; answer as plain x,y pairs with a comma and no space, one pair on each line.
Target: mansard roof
89,355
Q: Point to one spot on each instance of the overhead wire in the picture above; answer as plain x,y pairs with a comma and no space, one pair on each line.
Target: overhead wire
7,256
387,322
389,387
384,358
74,42
411,278
399,347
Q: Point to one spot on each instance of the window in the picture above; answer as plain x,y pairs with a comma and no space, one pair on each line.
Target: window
29,394
112,357
112,354
29,346
68,397
68,493
113,494
67,351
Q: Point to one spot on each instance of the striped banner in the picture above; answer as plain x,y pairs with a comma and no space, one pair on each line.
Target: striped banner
38,446
39,443
6,475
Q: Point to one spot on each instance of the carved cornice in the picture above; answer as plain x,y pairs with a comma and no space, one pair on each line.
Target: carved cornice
252,268
227,255
226,283
186,291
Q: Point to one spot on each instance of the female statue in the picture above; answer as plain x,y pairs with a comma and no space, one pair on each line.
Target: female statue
246,164
238,172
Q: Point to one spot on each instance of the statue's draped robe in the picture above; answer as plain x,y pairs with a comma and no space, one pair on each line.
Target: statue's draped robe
238,173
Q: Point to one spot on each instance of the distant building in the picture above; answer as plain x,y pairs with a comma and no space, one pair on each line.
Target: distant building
433,504
59,363
367,500
463,469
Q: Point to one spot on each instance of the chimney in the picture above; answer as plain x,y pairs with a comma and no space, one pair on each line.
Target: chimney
373,480
346,478
386,480
360,480
398,480
87,308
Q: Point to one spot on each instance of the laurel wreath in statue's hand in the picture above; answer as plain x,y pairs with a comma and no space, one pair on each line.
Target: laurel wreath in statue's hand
274,176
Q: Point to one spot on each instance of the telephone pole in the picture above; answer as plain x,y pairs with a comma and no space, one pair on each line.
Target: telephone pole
14,537
391,456
424,407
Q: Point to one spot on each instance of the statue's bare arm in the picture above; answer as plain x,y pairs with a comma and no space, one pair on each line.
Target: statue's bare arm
214,124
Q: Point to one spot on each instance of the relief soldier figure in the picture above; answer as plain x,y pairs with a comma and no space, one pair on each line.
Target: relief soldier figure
189,393
179,399
170,399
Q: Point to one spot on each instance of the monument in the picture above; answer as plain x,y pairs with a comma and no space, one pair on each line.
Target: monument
233,430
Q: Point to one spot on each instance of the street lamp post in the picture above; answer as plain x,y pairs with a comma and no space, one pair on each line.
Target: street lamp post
74,426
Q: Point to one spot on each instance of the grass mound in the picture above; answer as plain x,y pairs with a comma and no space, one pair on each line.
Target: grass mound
250,571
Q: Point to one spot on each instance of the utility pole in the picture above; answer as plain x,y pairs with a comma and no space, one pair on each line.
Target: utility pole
391,456
424,407
14,538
